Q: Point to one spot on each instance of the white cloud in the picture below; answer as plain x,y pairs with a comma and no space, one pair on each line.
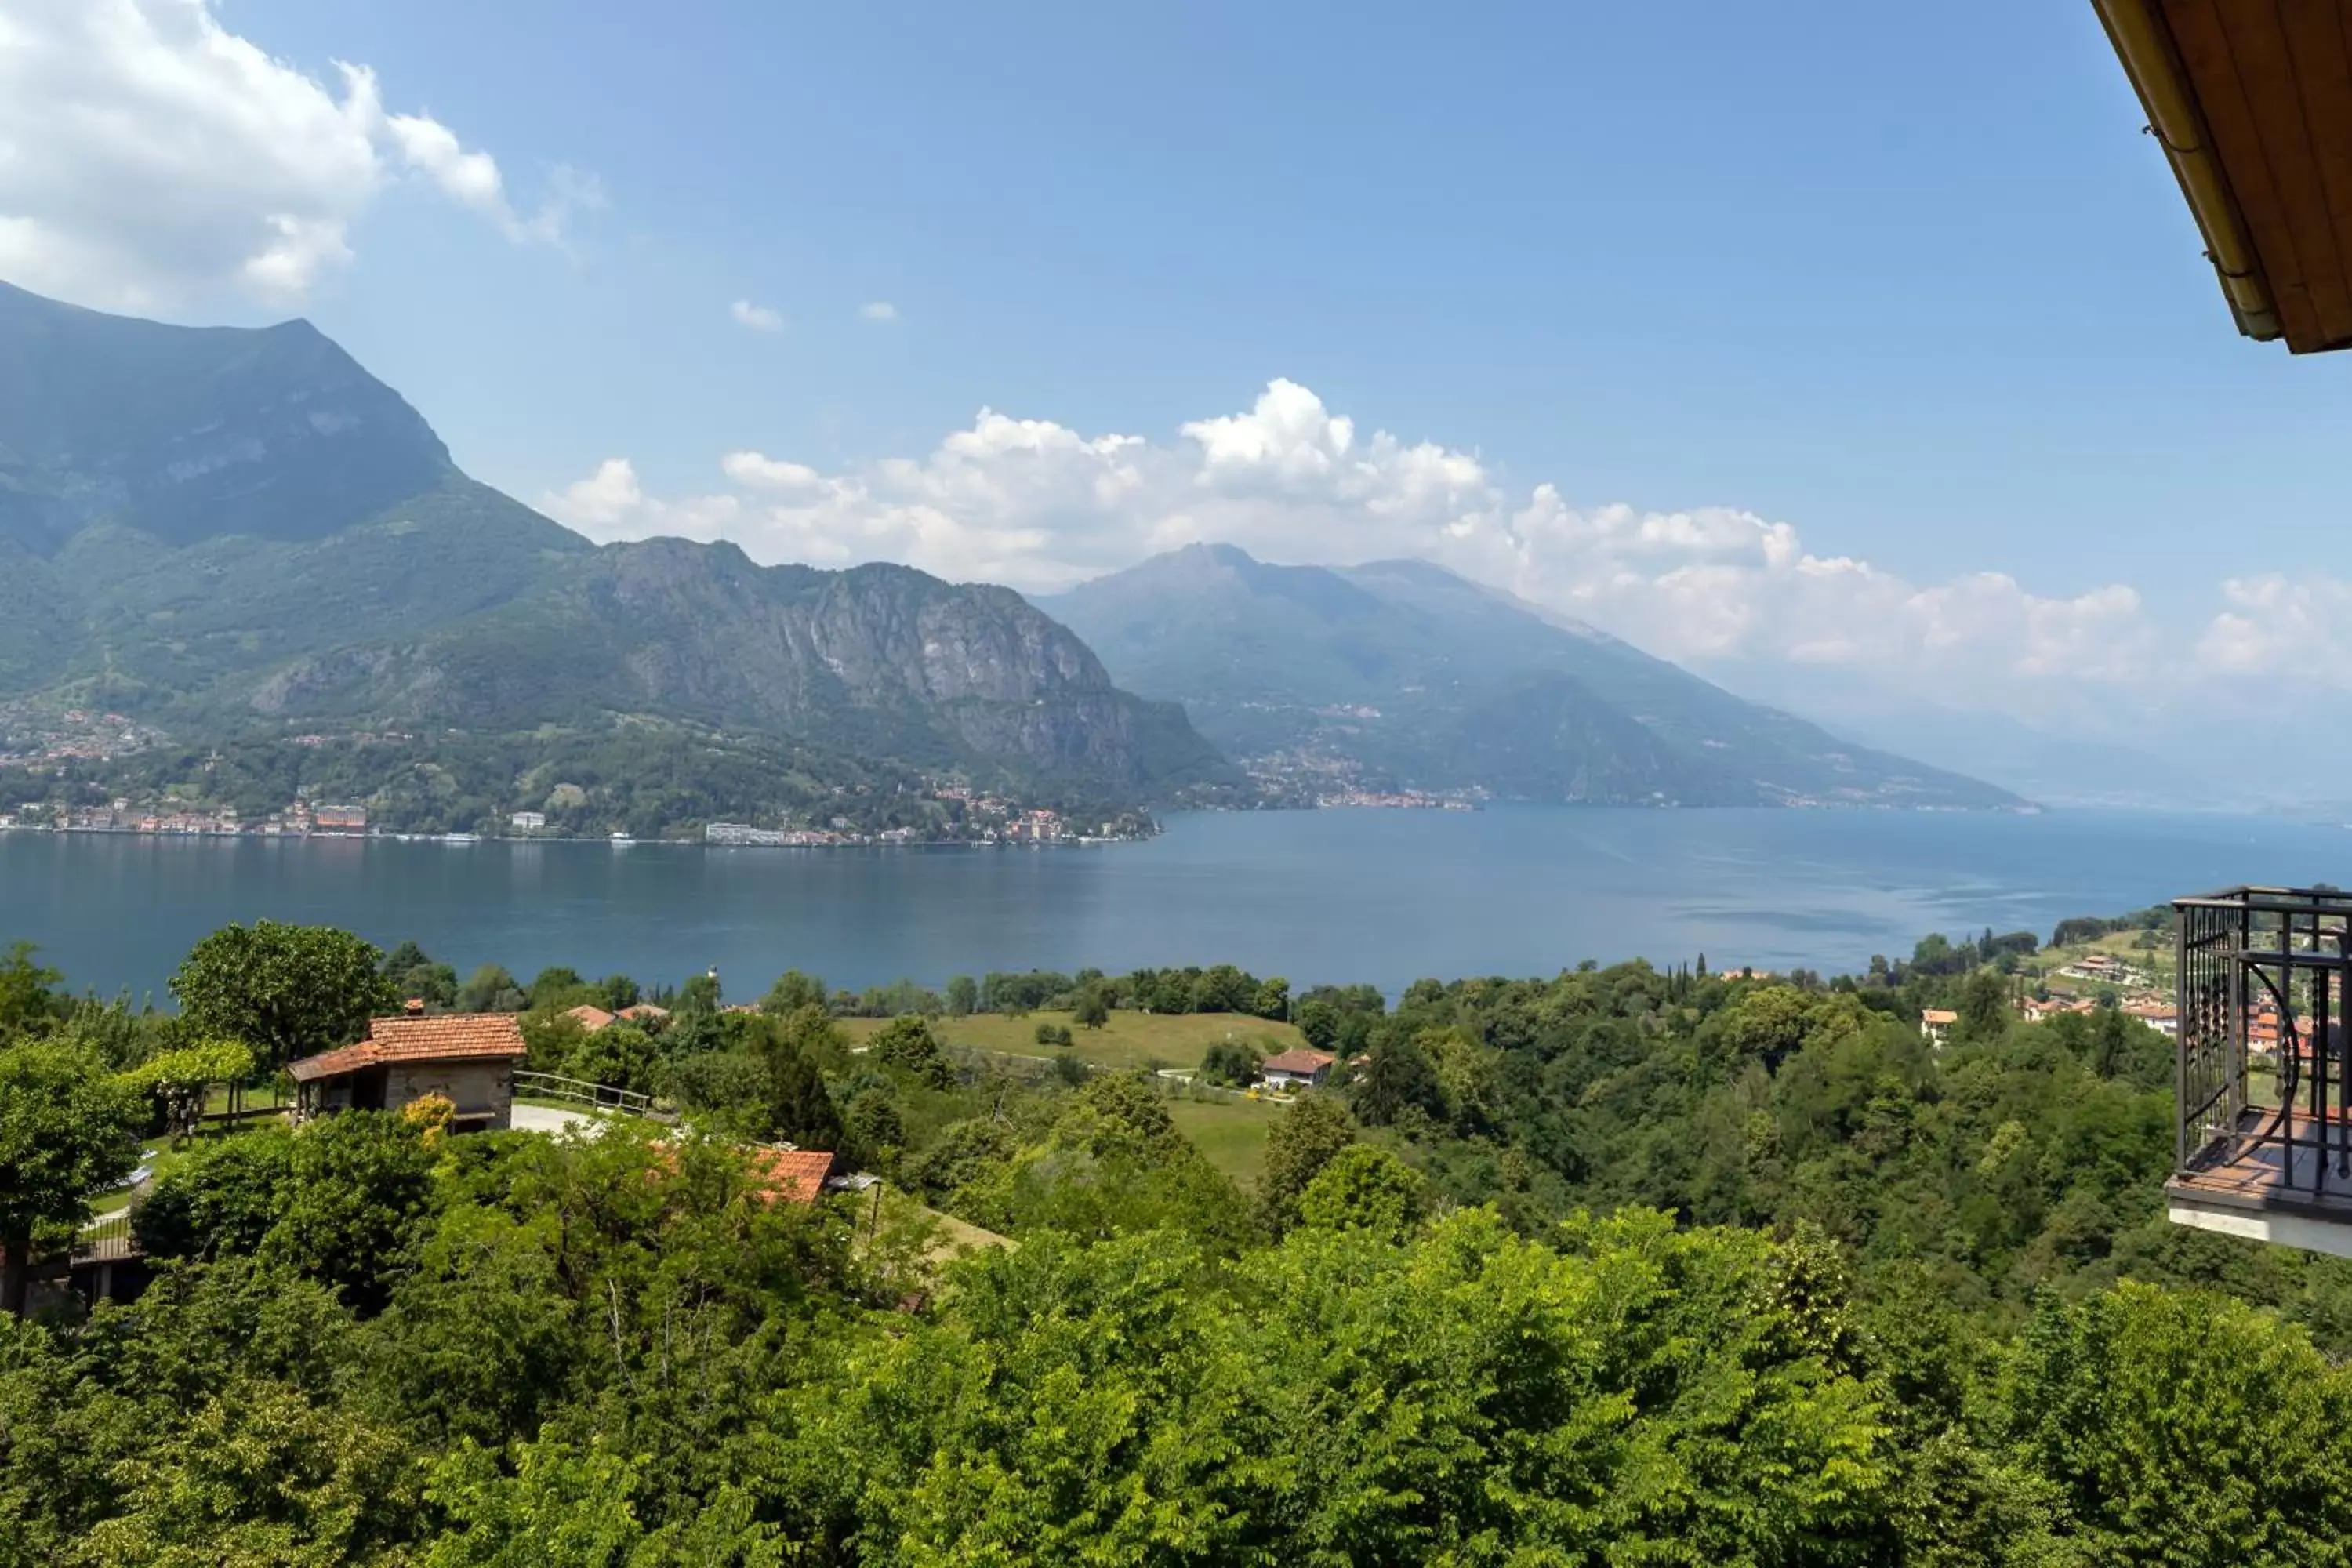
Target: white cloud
1041,506
879,310
149,155
758,318
610,504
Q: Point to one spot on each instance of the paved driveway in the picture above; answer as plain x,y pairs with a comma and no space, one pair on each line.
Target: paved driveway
547,1118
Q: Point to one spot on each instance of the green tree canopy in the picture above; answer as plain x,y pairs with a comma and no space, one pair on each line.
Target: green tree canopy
288,991
1311,1130
177,1080
1365,1188
66,1131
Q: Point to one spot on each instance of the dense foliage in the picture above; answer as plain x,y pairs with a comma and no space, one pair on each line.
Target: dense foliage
1623,1267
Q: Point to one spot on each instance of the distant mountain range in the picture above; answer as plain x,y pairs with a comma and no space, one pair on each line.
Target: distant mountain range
240,534
1400,674
221,530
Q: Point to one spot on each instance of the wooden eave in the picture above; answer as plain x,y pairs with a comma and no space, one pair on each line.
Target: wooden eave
2251,101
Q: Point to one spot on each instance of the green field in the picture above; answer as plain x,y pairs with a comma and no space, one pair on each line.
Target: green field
1128,1040
1231,1133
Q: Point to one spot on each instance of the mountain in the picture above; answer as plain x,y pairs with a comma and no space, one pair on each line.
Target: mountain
1400,673
222,531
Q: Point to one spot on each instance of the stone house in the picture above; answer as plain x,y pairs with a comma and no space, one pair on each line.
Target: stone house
468,1057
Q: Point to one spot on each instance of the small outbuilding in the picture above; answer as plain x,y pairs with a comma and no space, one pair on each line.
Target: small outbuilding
467,1057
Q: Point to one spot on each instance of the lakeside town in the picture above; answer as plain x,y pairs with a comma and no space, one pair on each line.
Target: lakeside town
990,821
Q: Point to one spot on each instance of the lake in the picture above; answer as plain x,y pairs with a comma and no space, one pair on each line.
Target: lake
1382,896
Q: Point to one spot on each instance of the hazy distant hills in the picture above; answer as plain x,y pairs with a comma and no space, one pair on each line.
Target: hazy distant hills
221,529
1402,673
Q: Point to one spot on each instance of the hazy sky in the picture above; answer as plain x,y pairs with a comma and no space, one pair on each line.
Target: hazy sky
1861,338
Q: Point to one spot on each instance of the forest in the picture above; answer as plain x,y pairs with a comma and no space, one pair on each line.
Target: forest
1627,1266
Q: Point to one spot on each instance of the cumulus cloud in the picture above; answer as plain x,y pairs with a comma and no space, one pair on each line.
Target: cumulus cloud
1042,506
148,155
879,310
757,318
610,504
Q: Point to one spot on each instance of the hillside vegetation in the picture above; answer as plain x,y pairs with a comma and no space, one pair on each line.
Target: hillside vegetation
1623,1266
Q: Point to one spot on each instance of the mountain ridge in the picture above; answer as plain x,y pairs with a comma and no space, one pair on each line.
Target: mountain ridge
1405,674
230,531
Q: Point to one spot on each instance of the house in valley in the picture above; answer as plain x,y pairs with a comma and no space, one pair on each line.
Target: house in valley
1299,1067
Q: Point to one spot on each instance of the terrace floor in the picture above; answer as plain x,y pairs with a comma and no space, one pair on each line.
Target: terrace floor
2291,1188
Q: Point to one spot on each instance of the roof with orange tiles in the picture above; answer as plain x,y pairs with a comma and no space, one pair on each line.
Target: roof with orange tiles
1938,1016
795,1175
590,1018
448,1037
332,1064
1299,1060
644,1010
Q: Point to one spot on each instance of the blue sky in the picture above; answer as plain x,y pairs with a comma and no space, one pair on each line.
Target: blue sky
1907,280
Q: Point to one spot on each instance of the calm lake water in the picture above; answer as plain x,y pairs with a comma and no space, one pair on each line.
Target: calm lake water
1382,896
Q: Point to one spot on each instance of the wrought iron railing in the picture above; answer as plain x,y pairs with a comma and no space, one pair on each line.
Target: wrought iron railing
2266,989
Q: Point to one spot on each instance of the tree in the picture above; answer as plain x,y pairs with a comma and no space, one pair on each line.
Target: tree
1984,1008
178,1079
909,1045
286,991
963,996
1365,1188
700,993
1091,1011
558,985
799,1110
1052,1033
490,989
873,1130
1398,1081
28,992
1313,1128
1273,1000
792,991
1230,1062
1319,1022
65,1132
617,991
2153,1410
414,975
357,1184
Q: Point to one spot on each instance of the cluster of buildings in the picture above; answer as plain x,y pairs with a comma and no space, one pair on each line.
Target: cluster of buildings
1935,1023
1404,799
1016,825
300,819
76,735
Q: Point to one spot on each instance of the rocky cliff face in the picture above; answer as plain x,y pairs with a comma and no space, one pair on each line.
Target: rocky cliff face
877,660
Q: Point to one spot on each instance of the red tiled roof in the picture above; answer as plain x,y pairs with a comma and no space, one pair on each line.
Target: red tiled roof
1298,1060
644,1010
795,1175
332,1064
591,1018
450,1037
451,1034
1938,1016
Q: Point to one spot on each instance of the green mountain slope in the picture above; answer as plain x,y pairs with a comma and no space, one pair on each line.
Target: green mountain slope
228,532
188,434
1400,673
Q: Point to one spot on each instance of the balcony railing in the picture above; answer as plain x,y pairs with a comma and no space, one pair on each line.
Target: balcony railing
2264,1143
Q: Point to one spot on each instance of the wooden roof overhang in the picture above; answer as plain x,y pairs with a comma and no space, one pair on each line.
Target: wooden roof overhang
2251,101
